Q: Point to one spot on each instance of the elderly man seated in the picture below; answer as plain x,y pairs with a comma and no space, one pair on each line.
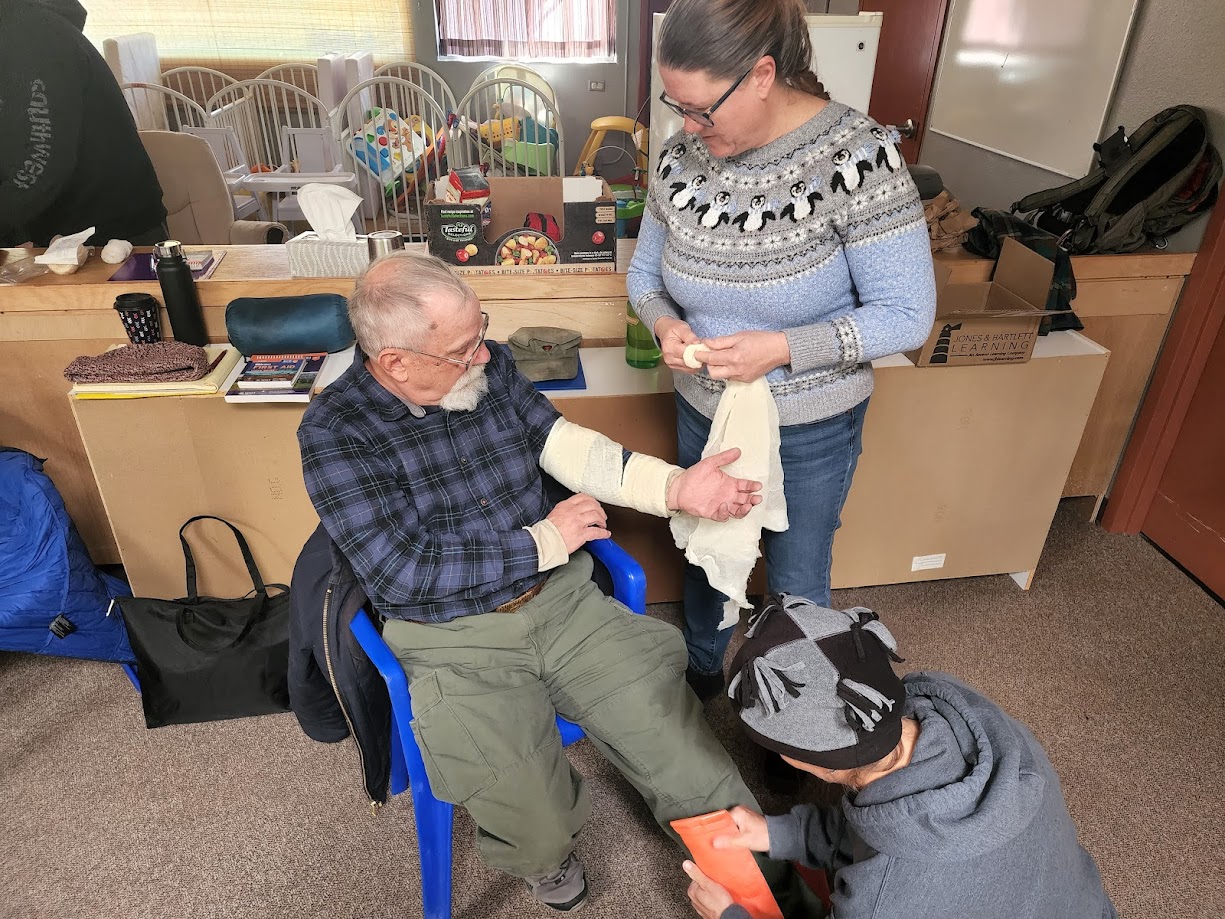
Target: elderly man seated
425,461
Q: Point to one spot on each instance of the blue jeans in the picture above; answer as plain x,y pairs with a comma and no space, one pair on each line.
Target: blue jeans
818,462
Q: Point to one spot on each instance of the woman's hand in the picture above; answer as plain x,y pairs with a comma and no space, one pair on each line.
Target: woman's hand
745,356
754,832
708,898
673,335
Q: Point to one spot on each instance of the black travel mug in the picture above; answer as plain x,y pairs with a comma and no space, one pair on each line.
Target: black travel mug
139,313
179,293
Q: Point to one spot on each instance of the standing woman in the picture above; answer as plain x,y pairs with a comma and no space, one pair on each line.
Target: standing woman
784,233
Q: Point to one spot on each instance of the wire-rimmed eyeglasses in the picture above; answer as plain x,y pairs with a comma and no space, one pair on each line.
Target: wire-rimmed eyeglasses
476,348
704,118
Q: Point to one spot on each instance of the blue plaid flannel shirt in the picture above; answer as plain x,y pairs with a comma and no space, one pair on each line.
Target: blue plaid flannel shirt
430,511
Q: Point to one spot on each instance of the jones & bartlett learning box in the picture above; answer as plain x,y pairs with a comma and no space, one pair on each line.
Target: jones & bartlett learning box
989,322
542,224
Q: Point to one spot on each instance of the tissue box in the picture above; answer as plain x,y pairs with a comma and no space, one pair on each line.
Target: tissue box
312,257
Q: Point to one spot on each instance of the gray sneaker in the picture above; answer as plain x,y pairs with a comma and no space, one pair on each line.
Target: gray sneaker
565,889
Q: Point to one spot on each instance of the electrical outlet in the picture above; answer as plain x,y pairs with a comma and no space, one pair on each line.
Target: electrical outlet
596,86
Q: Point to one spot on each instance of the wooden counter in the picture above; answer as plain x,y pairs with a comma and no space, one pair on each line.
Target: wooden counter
81,305
961,472
1125,301
46,322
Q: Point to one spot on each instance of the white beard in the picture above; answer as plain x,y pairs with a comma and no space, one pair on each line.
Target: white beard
467,392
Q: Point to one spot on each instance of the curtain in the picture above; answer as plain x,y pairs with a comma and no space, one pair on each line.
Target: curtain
528,29
243,38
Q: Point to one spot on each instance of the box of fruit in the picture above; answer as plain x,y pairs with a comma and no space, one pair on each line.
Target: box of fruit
536,224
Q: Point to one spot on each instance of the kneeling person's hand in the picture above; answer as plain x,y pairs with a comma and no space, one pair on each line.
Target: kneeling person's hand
709,898
705,490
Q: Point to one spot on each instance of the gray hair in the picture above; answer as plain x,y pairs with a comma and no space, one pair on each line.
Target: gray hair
724,38
388,306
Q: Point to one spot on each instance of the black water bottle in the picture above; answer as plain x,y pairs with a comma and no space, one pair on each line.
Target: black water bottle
179,293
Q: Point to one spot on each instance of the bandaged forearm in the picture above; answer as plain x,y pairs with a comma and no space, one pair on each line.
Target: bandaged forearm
550,547
587,462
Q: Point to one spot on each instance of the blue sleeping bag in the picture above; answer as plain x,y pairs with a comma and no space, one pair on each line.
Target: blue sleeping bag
45,573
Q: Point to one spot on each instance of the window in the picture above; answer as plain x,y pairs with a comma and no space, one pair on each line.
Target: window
243,38
533,30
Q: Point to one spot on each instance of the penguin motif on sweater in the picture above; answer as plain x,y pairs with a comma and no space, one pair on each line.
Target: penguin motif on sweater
803,197
848,172
887,155
670,161
756,217
715,212
684,193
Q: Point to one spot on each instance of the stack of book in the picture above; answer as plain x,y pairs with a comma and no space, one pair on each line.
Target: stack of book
277,378
223,361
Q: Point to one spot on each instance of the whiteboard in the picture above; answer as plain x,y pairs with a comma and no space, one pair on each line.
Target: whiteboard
839,62
1031,79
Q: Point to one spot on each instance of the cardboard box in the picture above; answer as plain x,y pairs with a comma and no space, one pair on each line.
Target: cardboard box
989,322
584,208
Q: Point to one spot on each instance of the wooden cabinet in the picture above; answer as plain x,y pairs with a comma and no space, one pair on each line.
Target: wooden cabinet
958,464
1125,302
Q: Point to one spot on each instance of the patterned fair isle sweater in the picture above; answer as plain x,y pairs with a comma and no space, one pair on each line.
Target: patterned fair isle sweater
819,234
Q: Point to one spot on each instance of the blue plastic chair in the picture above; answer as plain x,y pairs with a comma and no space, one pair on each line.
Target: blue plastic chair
434,817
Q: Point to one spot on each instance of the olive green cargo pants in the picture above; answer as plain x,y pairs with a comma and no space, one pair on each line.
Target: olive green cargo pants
485,689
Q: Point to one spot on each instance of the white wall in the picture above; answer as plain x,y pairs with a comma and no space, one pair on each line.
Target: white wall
1175,56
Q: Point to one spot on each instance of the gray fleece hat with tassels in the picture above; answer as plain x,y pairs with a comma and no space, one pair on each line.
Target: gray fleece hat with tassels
818,685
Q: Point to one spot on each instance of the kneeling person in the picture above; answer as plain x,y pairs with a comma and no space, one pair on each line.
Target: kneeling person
424,462
951,808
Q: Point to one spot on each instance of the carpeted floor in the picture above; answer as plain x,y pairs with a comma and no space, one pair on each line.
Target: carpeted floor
1113,659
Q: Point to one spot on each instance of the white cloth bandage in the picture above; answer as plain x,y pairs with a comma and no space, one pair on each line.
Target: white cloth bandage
587,462
746,418
550,547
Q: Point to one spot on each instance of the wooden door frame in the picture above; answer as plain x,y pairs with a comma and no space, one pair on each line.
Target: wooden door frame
1192,334
648,10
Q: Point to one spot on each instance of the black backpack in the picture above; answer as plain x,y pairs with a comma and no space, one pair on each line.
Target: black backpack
1142,189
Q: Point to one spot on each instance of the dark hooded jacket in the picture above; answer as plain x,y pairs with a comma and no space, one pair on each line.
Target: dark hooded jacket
334,689
974,827
70,154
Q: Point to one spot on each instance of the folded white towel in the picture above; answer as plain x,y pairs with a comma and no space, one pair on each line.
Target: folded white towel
727,551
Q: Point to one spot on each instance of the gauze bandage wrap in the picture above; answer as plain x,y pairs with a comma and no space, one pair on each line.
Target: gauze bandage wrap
746,418
550,547
587,462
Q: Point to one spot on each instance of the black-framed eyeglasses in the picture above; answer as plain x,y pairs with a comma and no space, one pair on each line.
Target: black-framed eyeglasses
703,118
466,362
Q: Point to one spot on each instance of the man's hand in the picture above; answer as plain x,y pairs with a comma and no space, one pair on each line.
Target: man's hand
579,520
673,335
707,897
754,833
745,356
705,490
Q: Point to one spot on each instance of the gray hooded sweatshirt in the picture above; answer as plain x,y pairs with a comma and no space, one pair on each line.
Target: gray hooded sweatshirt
974,827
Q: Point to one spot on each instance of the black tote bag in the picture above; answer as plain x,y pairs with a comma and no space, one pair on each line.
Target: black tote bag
207,659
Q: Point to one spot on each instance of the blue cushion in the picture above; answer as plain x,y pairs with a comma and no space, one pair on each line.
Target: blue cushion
282,325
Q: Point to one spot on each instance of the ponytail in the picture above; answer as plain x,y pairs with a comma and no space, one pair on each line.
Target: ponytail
806,82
